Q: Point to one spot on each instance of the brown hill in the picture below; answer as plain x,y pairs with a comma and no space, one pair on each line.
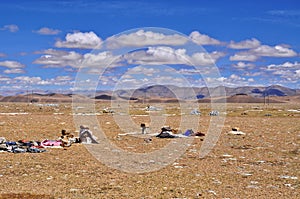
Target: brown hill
244,98
39,98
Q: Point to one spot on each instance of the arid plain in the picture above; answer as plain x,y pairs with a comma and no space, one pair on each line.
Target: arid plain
263,163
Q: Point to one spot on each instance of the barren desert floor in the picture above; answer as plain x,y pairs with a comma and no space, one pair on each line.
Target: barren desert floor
263,163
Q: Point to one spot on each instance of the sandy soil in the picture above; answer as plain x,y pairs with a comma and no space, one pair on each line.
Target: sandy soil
264,163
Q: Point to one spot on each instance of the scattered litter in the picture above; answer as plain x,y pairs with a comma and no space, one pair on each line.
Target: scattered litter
227,156
246,174
288,177
148,140
58,113
236,131
178,167
74,190
107,110
214,113
293,110
152,108
252,187
24,146
195,112
14,113
253,182
212,192
49,105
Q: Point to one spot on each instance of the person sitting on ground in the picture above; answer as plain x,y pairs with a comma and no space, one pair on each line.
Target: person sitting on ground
86,136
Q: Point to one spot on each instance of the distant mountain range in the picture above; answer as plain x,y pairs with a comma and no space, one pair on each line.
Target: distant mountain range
171,93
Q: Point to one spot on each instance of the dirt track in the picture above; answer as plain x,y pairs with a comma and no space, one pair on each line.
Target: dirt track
264,163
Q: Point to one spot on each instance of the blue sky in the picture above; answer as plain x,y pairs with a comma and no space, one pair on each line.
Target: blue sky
45,43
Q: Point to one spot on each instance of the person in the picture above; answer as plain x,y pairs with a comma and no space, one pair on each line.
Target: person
86,136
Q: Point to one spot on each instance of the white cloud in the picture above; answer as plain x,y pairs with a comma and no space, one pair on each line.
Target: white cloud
14,71
95,61
147,71
235,77
2,55
12,64
47,31
144,38
263,51
246,44
10,28
63,78
286,65
297,73
202,39
188,71
243,56
100,60
87,40
243,65
288,72
233,80
203,59
54,58
168,55
276,51
252,74
26,81
3,78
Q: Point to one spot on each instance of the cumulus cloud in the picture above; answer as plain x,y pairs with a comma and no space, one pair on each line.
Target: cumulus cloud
144,38
274,51
4,79
243,65
288,72
147,71
28,80
56,58
52,58
202,39
80,40
286,65
168,55
11,64
39,81
233,80
243,56
263,51
47,31
100,60
14,71
10,28
246,44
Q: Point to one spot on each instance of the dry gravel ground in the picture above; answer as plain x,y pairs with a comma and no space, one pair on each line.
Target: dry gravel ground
264,163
